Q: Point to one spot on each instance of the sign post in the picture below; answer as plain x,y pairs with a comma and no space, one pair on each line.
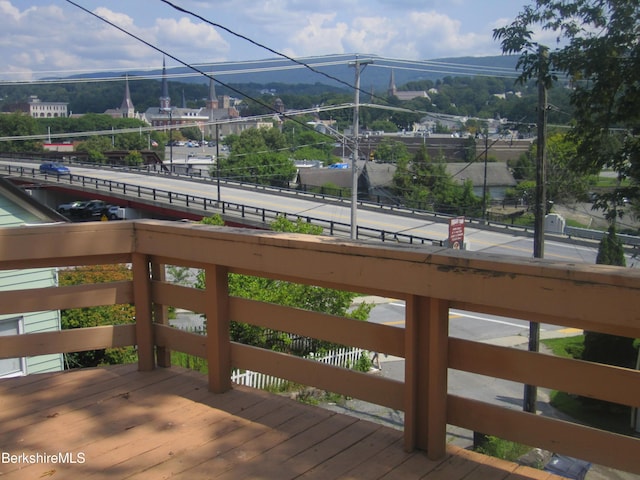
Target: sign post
456,233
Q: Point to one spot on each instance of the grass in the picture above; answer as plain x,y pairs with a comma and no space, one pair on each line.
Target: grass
573,223
595,413
504,449
609,182
567,347
598,414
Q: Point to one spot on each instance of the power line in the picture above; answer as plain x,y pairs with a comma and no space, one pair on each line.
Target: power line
269,107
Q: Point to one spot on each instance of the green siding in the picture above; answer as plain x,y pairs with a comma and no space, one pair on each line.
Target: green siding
46,321
11,214
16,209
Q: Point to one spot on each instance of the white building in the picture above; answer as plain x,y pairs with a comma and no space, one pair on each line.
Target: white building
40,109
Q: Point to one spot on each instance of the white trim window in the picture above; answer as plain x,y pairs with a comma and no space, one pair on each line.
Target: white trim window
12,367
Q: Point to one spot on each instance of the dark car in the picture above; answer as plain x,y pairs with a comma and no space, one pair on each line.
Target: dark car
93,208
54,168
71,208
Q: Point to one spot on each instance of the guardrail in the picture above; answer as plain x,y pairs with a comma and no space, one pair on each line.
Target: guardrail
598,235
208,206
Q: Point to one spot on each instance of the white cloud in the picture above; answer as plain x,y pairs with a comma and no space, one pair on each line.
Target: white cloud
319,34
73,40
185,38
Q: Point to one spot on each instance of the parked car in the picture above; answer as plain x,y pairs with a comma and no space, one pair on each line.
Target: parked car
71,208
54,168
94,208
78,208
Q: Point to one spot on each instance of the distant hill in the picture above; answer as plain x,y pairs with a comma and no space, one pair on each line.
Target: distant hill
334,70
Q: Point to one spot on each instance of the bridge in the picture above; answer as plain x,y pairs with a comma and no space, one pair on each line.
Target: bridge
165,196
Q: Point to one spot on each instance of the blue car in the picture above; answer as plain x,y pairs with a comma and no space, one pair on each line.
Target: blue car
54,168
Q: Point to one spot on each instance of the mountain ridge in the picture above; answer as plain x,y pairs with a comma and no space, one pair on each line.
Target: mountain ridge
332,70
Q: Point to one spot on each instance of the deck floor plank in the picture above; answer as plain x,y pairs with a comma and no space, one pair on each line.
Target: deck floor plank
166,424
94,407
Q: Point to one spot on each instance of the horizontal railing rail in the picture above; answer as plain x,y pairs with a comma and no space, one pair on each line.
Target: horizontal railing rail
431,281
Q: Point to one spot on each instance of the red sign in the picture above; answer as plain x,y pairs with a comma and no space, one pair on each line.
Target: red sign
456,232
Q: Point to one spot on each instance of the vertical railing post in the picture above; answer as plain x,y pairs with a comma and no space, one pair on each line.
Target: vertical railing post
160,316
426,364
218,341
142,301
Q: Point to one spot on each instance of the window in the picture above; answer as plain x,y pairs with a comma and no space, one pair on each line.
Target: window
11,367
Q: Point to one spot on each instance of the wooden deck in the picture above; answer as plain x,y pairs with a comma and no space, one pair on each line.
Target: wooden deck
120,423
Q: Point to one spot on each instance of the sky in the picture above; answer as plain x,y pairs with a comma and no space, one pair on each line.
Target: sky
45,38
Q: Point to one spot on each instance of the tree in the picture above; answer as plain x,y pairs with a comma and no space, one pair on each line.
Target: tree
424,183
95,146
258,156
192,133
611,251
309,297
134,158
391,151
563,182
598,51
97,316
601,347
17,125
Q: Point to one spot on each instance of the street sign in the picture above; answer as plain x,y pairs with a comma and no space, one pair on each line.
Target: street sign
456,233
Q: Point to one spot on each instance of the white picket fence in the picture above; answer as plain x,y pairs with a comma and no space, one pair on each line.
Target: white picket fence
344,357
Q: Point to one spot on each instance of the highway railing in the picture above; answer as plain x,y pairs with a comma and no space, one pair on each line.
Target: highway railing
205,206
264,216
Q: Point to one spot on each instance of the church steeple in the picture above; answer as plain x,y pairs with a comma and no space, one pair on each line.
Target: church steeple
165,100
392,85
127,109
212,100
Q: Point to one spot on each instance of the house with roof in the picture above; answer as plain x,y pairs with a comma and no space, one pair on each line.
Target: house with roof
375,180
498,177
404,95
18,209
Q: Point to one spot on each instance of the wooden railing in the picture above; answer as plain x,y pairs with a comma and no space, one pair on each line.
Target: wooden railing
431,280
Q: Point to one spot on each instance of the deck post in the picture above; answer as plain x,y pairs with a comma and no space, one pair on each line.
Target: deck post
218,341
426,363
144,320
161,316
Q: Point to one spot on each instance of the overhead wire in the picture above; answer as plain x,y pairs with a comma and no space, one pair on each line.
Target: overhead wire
202,73
173,57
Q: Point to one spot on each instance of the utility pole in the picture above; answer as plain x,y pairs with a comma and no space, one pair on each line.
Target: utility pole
218,162
531,391
484,183
354,162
